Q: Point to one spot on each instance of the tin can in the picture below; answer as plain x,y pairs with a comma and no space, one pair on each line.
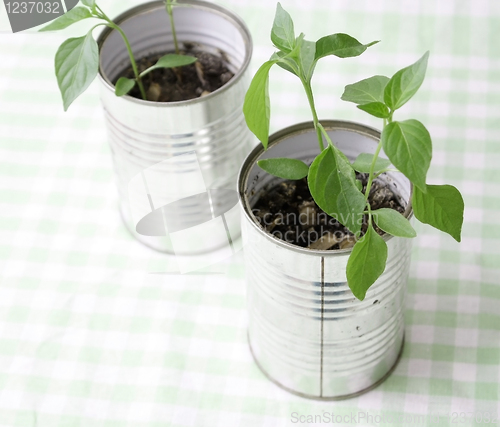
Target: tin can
307,332
159,145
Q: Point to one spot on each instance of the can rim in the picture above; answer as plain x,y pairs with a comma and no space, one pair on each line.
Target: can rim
277,138
199,4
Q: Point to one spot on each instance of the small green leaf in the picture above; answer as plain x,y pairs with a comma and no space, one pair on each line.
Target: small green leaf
408,146
364,161
405,83
124,86
285,168
340,45
366,91
282,33
442,206
366,263
256,108
170,60
76,63
284,61
393,222
377,109
320,172
89,3
69,18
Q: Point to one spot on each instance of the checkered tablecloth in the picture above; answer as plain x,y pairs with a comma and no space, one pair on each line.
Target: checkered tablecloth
96,330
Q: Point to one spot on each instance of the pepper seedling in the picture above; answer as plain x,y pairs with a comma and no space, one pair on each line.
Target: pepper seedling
77,59
331,177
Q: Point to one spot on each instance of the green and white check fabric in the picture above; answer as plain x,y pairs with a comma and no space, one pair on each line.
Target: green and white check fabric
97,330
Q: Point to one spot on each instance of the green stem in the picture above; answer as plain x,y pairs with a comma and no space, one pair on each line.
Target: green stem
129,49
172,24
310,98
372,167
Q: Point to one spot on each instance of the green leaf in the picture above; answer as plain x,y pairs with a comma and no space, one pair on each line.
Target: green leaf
282,33
89,3
350,204
364,161
408,146
405,83
76,63
307,58
124,86
285,168
393,222
442,206
377,109
366,263
334,188
366,91
340,45
256,108
320,172
170,60
69,18
284,61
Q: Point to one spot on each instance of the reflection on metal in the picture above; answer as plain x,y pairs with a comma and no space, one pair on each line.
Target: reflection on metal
307,331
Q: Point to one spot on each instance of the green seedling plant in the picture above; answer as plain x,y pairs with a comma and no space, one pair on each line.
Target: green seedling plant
331,176
77,59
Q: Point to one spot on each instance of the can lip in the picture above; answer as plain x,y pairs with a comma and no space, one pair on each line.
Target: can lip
279,137
200,4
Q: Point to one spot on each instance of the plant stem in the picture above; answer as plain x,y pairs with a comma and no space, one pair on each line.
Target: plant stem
372,166
310,98
172,24
129,49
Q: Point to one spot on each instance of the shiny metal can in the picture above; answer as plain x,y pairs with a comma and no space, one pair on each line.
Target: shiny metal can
307,332
158,147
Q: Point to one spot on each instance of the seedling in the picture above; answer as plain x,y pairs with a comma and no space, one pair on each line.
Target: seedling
77,59
331,177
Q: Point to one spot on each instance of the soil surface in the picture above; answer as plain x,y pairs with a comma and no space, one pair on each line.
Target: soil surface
203,77
289,212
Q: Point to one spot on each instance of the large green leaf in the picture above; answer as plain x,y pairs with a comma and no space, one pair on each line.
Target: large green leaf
285,168
89,3
442,206
340,45
282,33
393,222
334,188
124,86
366,262
377,109
69,18
256,108
307,58
350,204
364,161
76,63
284,61
320,172
171,60
366,91
405,83
408,146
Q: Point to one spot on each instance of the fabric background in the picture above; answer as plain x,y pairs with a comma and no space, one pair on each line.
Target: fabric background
90,337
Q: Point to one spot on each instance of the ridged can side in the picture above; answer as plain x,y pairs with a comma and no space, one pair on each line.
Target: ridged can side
307,331
204,138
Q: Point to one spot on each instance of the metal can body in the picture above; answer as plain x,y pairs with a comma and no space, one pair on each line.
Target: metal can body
307,331
143,134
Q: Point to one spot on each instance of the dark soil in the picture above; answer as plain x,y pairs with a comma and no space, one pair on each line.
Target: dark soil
289,212
203,77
